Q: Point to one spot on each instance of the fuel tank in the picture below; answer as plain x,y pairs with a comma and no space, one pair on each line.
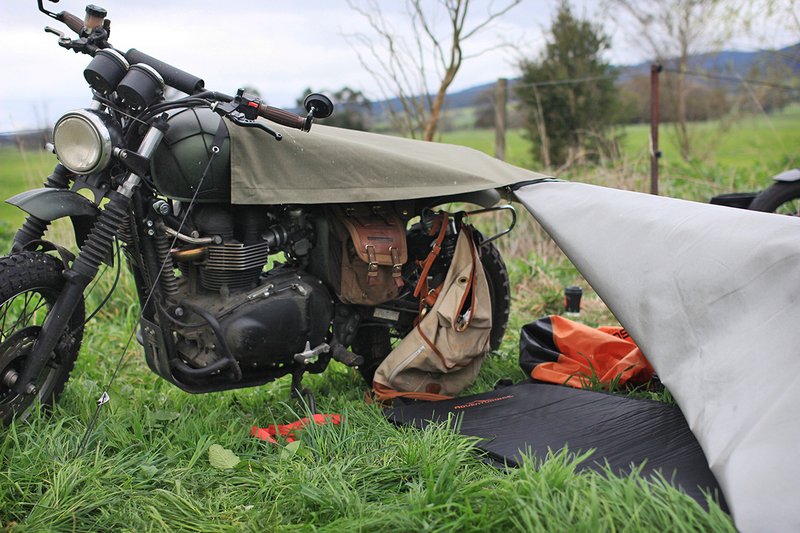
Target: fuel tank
179,162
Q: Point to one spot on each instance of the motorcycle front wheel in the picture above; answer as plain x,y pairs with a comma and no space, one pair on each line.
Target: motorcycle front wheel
375,343
782,197
30,283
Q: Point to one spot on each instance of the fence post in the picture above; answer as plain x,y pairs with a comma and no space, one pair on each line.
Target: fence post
655,153
500,101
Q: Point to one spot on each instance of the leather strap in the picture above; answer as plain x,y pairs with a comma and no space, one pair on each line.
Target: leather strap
436,249
397,266
383,393
372,265
469,292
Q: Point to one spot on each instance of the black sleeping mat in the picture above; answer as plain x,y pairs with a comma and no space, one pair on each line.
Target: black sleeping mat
532,418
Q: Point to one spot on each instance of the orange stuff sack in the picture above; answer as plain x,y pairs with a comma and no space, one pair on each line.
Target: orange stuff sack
557,350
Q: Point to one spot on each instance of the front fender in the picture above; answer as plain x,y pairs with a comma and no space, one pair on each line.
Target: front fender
51,204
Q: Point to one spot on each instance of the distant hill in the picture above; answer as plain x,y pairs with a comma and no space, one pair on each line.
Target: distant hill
732,62
726,62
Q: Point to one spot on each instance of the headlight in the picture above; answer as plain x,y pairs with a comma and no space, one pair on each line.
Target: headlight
84,140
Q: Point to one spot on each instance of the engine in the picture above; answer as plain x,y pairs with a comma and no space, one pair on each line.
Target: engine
262,327
242,239
240,291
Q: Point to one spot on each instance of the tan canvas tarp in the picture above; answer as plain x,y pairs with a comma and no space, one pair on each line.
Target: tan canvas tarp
334,165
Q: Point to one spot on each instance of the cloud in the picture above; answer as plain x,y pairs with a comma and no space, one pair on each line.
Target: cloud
279,47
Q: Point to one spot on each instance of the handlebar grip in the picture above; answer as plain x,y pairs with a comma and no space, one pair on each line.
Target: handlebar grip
174,77
284,118
74,23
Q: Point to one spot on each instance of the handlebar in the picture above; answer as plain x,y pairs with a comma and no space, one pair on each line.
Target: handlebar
284,118
73,22
173,76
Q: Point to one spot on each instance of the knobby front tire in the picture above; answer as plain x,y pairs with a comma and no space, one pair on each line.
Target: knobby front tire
30,283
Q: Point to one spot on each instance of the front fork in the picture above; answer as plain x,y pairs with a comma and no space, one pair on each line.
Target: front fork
84,268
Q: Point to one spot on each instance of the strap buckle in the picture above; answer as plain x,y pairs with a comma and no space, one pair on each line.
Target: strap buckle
372,265
397,266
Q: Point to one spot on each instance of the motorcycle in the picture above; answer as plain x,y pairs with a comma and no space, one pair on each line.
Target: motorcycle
782,197
233,220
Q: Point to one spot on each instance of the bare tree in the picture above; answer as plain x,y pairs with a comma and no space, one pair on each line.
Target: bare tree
673,30
432,54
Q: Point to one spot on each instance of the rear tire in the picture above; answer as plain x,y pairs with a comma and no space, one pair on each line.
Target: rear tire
30,283
782,197
374,343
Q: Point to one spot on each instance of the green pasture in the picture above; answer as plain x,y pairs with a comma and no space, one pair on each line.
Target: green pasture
756,143
19,171
147,466
739,154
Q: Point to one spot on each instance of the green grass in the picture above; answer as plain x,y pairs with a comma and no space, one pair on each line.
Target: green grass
146,466
742,157
518,151
751,143
19,171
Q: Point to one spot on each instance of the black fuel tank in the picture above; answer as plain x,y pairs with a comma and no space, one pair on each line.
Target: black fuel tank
179,162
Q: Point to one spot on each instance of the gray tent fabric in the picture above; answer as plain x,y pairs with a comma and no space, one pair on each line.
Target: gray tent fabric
335,165
712,295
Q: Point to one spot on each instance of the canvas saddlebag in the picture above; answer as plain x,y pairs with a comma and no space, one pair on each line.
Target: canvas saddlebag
374,251
443,353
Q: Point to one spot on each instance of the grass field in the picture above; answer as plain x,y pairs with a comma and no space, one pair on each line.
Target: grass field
147,464
21,170
741,156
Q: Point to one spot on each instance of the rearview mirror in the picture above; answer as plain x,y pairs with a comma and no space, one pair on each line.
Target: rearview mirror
318,105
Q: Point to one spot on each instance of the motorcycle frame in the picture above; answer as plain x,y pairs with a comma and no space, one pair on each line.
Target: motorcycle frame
57,200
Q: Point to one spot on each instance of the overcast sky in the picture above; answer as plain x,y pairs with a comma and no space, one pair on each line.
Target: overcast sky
278,46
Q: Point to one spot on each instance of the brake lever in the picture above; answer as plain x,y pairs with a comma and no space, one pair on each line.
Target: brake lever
247,123
83,45
63,40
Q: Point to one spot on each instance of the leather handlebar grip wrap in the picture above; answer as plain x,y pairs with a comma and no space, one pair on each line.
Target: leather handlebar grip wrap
282,117
74,23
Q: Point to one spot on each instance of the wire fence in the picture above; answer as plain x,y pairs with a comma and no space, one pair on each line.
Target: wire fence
694,73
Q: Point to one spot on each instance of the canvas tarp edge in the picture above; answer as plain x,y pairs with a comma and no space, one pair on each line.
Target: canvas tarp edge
712,295
335,165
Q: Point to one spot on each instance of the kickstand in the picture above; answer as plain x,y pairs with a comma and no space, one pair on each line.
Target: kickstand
304,395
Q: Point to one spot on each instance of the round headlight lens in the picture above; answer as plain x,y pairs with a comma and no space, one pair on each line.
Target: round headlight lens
82,141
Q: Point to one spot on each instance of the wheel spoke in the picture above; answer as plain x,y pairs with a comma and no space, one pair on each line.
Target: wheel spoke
42,303
28,296
30,308
25,317
22,313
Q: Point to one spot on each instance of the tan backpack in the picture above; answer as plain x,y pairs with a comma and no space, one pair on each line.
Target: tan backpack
443,353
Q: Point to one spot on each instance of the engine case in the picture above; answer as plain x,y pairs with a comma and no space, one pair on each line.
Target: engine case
270,324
